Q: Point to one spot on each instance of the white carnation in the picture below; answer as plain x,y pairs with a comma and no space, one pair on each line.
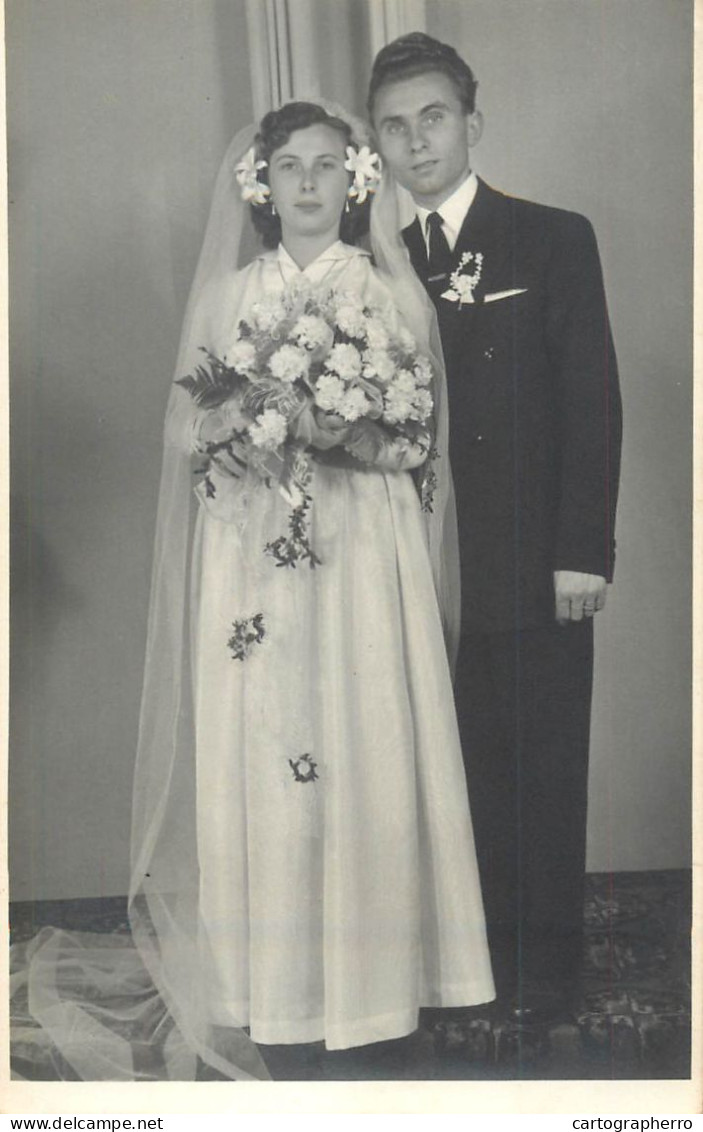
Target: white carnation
311,331
351,320
423,371
329,392
379,364
269,430
406,341
376,334
404,382
354,404
397,406
289,363
242,356
423,405
345,360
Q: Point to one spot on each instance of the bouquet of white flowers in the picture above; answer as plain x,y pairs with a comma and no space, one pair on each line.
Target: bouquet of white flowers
302,357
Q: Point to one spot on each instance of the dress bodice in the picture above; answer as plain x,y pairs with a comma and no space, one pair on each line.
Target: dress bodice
339,267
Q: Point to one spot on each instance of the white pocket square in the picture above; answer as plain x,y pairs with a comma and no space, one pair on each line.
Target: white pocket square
504,294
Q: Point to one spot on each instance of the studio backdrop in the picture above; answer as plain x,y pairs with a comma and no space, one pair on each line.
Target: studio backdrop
119,112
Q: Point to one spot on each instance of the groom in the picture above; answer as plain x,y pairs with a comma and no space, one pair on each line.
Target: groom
535,428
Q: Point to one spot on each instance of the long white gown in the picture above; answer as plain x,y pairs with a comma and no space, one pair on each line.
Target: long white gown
338,883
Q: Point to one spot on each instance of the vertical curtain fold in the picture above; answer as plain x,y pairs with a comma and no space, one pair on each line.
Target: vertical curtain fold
284,49
283,55
390,18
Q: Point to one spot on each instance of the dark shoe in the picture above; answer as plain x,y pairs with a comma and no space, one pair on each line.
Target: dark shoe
540,1007
433,1016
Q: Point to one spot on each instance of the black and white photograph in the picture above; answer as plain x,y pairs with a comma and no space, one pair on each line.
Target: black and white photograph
351,438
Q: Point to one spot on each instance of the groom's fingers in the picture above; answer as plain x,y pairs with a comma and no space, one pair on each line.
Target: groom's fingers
578,595
563,609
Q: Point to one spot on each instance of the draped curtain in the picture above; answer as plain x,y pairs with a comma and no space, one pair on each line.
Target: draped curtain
285,51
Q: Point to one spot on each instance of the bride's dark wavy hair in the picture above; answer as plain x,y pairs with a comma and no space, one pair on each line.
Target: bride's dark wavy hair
274,131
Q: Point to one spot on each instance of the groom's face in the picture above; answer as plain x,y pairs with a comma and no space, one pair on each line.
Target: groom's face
424,135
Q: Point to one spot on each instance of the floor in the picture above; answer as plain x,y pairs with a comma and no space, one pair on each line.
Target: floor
633,1021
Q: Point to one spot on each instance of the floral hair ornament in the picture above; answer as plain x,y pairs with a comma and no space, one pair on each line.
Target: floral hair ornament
366,167
246,171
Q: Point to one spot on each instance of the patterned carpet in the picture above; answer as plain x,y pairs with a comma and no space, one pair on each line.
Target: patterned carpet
633,1021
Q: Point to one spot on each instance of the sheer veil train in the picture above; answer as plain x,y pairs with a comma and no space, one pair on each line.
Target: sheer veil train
131,1007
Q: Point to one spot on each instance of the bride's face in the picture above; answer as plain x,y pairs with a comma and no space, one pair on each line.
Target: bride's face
309,183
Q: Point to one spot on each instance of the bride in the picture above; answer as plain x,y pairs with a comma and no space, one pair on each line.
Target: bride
303,866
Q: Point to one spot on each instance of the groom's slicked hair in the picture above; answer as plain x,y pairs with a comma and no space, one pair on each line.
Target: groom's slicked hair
419,54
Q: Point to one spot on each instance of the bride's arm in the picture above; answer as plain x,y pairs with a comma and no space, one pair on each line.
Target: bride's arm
184,421
189,427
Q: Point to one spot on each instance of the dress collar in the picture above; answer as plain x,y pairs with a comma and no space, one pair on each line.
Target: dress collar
335,252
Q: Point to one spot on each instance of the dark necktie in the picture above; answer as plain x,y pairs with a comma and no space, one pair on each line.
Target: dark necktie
439,259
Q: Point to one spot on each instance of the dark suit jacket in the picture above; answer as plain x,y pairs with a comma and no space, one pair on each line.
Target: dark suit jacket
535,412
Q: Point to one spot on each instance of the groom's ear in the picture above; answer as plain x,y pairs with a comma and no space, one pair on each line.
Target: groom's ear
474,127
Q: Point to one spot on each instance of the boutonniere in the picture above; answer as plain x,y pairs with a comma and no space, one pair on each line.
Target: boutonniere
462,284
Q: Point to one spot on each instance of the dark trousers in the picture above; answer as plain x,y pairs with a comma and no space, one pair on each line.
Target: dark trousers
523,702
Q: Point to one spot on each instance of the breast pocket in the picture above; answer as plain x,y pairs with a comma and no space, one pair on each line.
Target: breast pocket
506,326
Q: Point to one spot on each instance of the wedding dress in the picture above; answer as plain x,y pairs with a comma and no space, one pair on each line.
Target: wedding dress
302,861
338,883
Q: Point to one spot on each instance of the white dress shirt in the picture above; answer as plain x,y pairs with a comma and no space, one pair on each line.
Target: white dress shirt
453,211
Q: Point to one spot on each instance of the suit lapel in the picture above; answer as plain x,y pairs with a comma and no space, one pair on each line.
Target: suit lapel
488,229
483,231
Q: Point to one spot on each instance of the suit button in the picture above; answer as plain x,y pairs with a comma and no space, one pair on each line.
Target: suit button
478,438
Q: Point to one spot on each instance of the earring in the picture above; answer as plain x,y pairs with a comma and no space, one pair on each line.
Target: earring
273,209
347,207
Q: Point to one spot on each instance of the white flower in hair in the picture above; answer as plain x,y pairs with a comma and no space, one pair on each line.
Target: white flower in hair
366,167
246,171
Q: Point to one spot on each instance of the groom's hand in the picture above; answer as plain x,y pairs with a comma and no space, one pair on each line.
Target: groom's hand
578,595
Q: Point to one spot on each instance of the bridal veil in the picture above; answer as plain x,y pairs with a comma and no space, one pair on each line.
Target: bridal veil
123,1007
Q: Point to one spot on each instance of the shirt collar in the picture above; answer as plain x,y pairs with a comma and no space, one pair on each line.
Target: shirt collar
453,210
